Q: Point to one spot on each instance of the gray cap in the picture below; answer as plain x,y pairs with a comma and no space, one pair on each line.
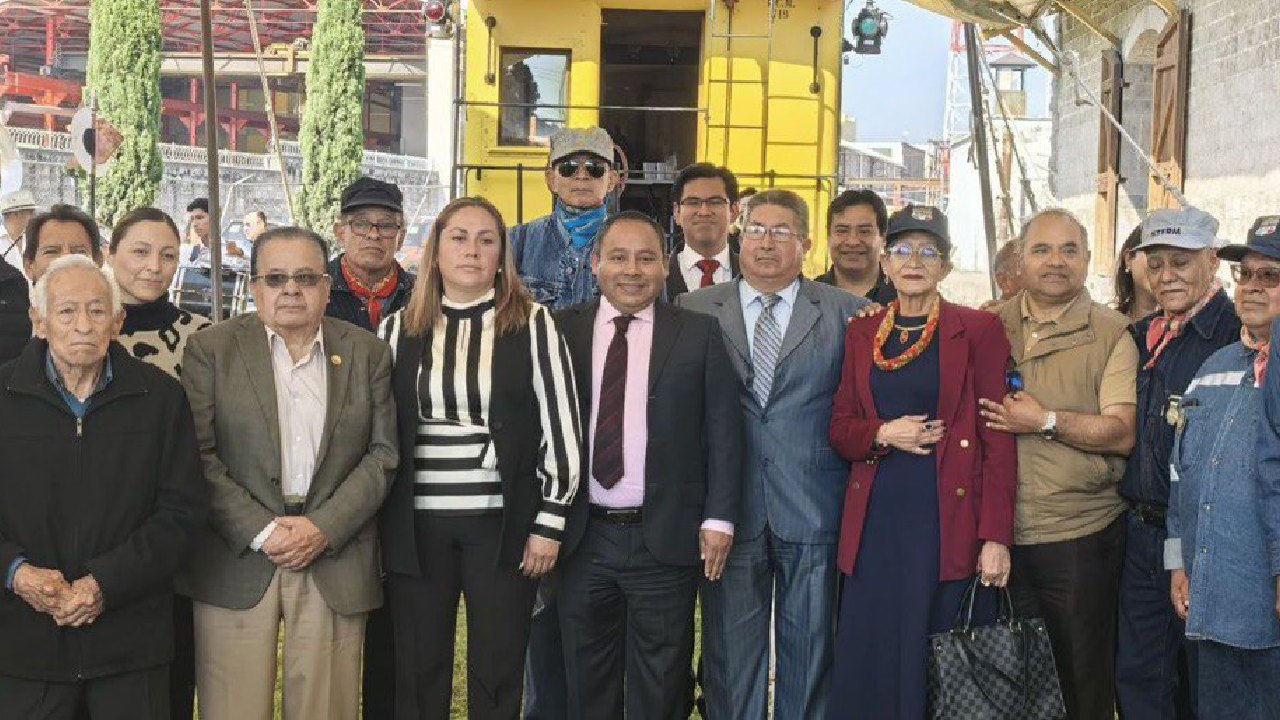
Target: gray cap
1188,228
16,201
571,141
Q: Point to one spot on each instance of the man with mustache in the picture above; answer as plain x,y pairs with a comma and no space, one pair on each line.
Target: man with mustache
856,224
1155,666
785,335
705,206
1074,421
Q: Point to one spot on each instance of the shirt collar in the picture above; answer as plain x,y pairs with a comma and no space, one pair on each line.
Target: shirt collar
688,257
1062,312
445,301
55,376
1207,319
317,344
749,294
608,312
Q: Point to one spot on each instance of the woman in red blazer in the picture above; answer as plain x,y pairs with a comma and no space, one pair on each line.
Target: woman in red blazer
930,497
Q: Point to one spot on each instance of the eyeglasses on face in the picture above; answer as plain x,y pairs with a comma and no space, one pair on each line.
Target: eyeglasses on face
779,234
928,254
711,203
595,168
364,228
304,278
1268,277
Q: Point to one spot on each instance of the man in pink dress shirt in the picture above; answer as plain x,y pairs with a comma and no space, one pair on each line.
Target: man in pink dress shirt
663,445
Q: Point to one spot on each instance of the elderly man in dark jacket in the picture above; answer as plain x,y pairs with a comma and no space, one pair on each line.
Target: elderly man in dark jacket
102,491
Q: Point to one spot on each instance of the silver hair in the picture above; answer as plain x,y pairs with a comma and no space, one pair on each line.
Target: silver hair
40,293
1063,213
783,199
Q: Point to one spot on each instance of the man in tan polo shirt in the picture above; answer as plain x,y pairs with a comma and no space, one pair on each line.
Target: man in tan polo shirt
1075,422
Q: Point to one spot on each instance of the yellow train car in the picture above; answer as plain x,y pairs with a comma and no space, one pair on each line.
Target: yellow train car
750,84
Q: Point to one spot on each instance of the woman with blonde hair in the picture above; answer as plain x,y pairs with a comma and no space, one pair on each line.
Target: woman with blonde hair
490,447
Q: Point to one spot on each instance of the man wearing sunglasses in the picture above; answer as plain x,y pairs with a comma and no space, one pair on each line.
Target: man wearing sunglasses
297,431
368,283
705,207
553,252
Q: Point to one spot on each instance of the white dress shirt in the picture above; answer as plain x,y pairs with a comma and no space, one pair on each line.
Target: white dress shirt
688,259
752,307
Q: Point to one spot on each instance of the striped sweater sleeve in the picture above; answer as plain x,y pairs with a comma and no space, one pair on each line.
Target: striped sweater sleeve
560,454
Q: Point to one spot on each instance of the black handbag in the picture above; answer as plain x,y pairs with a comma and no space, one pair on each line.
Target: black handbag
1003,671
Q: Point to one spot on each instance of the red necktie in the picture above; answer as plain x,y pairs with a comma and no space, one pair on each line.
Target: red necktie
606,453
708,266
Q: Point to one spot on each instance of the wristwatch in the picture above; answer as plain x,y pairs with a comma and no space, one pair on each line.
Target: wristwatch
1050,429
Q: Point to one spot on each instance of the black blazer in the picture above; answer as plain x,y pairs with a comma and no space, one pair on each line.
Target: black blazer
675,279
514,428
693,463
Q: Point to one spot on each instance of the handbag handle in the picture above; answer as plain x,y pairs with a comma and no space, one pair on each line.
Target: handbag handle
964,615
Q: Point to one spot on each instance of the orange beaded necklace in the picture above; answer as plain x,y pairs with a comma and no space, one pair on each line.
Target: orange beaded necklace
916,349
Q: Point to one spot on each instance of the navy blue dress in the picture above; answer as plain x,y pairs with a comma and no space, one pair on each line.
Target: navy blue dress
893,601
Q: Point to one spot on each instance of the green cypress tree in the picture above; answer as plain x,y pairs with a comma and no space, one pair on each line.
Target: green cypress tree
332,130
124,76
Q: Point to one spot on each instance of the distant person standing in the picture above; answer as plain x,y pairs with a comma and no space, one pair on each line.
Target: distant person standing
255,223
705,206
857,221
368,283
553,252
17,209
196,247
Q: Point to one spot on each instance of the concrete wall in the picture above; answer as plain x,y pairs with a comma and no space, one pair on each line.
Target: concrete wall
1233,140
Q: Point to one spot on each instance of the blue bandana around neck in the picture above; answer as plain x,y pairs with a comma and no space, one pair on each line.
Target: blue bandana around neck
582,224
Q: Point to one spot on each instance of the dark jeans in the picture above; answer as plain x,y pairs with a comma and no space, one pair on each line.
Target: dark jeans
1072,585
182,671
1238,684
139,695
459,557
1155,664
627,621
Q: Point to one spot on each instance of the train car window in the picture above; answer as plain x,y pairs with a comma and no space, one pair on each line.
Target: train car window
533,88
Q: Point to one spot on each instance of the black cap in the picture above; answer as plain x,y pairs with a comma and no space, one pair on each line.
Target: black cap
371,192
1264,238
919,218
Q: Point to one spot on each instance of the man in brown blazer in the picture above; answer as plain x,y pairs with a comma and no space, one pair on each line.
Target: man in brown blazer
297,434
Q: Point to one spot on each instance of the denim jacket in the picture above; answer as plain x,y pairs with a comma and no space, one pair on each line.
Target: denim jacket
556,273
1146,476
1216,519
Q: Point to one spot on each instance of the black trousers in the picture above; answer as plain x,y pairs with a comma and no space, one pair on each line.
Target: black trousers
1074,586
623,614
182,671
379,684
138,695
459,557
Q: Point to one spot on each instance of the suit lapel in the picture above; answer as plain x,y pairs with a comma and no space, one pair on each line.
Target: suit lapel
251,339
732,323
337,347
675,279
666,328
953,366
804,316
579,334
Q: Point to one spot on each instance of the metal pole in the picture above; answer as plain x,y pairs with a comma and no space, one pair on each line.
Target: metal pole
978,136
270,106
211,154
93,157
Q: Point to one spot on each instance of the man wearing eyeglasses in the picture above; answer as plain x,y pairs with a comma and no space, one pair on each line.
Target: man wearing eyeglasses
297,433
368,283
786,339
553,252
857,221
705,206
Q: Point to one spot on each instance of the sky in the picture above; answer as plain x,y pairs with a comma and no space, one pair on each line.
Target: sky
901,93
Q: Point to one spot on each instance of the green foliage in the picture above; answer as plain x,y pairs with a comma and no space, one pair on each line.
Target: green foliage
124,75
332,131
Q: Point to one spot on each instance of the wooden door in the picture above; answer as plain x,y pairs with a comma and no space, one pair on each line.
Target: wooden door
1107,202
1169,108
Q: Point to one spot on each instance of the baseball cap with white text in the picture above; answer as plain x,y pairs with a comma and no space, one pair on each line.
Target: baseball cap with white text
1189,228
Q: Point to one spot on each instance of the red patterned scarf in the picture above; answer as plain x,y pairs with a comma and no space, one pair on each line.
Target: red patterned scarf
1263,348
1165,327
372,297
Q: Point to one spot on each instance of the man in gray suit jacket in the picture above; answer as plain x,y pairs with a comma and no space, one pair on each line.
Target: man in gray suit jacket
786,340
297,434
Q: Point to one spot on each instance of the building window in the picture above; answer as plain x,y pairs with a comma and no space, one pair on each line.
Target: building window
533,88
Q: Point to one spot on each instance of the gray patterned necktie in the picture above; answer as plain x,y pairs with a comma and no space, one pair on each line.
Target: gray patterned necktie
764,356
